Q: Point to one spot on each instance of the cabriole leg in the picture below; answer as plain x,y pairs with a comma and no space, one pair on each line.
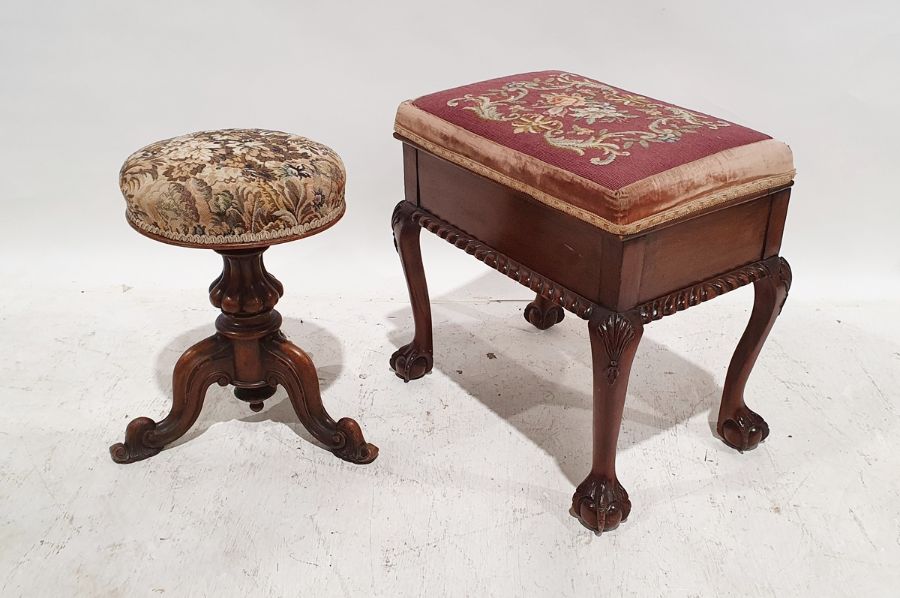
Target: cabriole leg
415,359
739,426
600,502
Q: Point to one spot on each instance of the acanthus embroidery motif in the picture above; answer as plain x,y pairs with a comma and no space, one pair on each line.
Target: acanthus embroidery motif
569,111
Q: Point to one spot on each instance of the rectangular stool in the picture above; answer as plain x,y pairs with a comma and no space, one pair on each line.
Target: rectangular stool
616,207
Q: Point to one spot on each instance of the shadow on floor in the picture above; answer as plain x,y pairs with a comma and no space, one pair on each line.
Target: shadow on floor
220,403
664,391
529,382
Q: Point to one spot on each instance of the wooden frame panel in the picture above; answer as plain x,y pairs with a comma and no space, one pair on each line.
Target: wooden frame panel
613,271
544,239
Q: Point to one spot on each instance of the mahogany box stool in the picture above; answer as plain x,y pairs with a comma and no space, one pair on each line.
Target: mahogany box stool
614,206
238,191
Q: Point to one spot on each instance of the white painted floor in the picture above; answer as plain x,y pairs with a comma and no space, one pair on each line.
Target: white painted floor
470,494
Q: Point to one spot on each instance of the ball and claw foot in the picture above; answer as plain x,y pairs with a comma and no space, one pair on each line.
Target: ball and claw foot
352,446
543,318
135,448
255,396
411,364
600,504
744,430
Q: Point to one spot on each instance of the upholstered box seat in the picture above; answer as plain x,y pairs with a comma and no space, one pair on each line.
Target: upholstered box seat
618,160
233,188
609,205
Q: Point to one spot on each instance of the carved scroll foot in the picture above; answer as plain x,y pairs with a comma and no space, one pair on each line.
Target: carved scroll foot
543,314
409,363
135,448
200,366
353,447
743,430
293,369
600,504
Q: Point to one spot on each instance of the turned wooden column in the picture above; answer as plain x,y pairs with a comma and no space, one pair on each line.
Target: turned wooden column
246,293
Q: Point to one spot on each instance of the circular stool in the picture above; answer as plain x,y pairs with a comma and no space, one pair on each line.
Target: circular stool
238,191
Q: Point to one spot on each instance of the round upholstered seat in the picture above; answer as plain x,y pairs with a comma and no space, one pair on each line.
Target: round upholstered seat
233,188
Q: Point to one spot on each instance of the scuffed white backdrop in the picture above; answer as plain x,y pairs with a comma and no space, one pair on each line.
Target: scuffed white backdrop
83,84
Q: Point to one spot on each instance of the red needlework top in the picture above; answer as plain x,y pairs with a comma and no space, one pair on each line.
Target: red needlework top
607,135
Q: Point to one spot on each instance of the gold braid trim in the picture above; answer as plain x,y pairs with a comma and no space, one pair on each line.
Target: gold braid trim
260,239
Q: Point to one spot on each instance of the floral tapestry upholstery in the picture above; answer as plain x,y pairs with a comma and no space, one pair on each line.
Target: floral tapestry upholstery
621,161
233,188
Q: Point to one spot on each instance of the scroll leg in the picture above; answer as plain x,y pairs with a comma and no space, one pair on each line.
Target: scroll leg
206,362
600,502
415,359
739,426
291,367
543,313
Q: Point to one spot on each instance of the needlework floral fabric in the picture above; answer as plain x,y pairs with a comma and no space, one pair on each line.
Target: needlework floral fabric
605,134
233,187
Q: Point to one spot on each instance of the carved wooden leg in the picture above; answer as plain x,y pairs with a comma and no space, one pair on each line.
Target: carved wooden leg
415,359
543,313
206,362
249,352
291,367
600,502
739,426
